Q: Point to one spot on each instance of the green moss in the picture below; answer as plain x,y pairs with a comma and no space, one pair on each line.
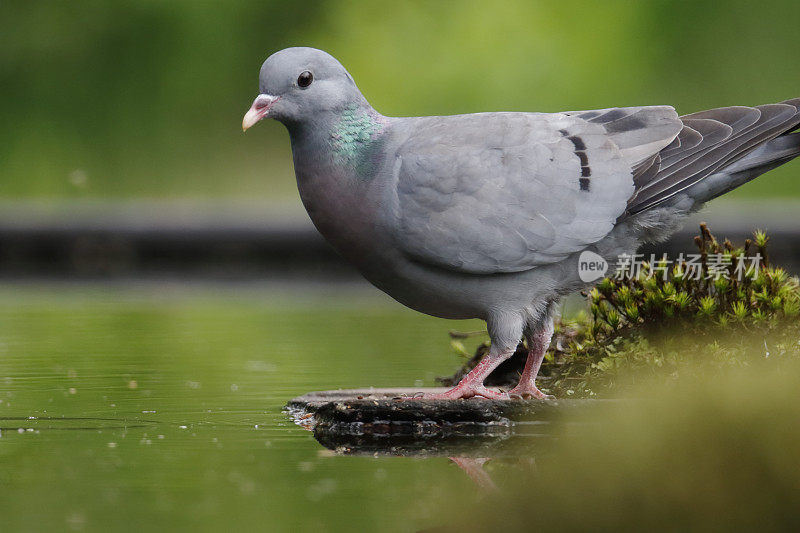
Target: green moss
657,324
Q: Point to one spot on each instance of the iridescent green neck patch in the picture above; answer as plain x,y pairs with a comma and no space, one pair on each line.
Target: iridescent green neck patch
354,134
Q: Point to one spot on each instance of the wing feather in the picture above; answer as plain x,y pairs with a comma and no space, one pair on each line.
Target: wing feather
506,192
725,136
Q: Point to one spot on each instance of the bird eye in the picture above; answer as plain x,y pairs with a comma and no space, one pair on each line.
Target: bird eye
305,79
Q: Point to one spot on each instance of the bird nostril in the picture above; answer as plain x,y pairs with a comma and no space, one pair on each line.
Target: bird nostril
258,110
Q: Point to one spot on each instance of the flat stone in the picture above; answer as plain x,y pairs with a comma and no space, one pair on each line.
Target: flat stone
391,421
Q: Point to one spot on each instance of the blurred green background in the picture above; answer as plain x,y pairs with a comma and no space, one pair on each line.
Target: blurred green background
144,99
182,385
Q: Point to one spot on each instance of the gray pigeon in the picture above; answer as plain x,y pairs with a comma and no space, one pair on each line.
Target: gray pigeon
485,215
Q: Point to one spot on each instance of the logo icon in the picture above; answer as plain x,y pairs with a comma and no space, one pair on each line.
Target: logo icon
591,266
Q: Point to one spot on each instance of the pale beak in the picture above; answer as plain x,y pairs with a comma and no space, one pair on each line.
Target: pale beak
258,110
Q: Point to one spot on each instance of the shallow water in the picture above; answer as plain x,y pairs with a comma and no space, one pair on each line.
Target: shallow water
161,406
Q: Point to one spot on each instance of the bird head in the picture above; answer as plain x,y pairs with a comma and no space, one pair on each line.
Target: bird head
297,84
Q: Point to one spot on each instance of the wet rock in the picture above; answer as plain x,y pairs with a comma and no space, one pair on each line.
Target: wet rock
388,421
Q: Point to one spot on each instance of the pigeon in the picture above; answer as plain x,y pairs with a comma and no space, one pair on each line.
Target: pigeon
486,215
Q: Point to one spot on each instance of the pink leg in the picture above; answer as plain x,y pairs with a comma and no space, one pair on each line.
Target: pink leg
472,384
537,346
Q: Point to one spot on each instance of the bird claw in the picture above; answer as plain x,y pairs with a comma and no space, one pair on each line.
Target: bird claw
464,392
461,392
528,393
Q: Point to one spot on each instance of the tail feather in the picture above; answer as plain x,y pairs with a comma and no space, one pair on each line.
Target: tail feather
763,159
717,151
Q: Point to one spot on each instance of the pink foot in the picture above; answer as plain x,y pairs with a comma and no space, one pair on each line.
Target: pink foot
528,392
463,391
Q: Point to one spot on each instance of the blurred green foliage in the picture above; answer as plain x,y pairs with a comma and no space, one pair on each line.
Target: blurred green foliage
144,98
713,454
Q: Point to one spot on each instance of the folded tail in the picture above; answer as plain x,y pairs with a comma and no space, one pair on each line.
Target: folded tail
716,151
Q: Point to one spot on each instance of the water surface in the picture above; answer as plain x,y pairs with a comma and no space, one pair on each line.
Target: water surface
161,406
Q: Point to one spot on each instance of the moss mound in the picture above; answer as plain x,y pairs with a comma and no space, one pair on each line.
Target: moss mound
721,305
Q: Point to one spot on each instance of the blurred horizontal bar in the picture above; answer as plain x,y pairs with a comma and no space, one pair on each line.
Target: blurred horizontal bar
252,240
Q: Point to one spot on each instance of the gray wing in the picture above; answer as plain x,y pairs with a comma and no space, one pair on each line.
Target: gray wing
709,142
506,192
